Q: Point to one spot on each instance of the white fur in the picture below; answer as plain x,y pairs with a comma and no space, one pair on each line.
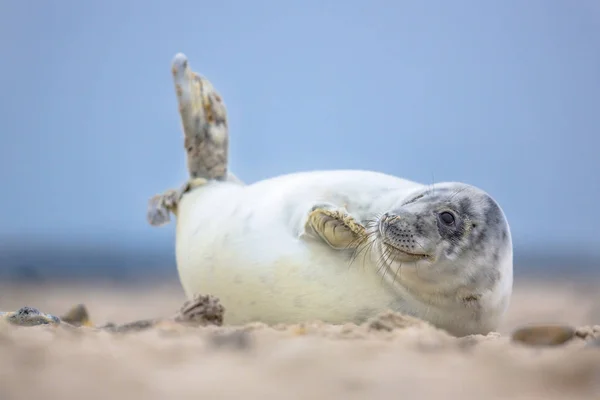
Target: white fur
242,244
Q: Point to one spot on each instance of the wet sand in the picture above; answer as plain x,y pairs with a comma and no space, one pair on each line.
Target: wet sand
311,360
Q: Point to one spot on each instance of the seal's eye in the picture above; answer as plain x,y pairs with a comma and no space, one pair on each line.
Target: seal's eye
447,218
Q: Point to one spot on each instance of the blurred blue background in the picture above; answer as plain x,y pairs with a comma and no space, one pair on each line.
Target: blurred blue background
503,95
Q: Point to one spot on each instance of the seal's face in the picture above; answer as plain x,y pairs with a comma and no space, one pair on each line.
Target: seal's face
441,234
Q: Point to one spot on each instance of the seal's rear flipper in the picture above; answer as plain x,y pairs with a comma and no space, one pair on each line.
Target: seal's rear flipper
206,138
158,212
161,205
204,122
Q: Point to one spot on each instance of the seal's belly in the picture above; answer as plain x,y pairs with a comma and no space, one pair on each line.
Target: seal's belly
240,243
256,282
268,274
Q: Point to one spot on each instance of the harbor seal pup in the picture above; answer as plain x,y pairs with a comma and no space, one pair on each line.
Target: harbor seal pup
337,246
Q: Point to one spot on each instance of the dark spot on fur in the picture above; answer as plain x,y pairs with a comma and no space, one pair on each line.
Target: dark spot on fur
201,133
466,206
471,298
414,199
420,225
451,249
494,276
495,256
493,224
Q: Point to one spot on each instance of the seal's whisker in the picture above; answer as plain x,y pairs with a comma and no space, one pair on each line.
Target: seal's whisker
372,244
456,193
388,266
354,243
381,257
383,262
361,249
364,244
429,190
364,249
358,245
417,270
386,258
397,270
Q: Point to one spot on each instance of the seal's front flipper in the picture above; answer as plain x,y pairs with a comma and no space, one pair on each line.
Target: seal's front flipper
335,226
161,205
204,121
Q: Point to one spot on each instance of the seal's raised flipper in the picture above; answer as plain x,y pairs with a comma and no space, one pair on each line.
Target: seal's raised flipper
206,138
335,226
161,205
204,122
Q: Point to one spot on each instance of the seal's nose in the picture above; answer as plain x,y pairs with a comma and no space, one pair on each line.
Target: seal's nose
401,233
390,218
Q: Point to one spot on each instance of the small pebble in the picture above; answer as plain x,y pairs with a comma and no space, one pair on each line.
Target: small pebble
544,335
29,316
77,316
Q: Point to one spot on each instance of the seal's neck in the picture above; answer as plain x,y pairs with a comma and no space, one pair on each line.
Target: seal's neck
474,303
438,293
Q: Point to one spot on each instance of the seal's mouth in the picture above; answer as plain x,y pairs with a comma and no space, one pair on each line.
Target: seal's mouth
408,256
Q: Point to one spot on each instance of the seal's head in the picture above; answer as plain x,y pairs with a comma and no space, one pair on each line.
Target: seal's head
452,238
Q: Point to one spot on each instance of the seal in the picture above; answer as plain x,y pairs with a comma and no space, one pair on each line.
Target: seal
337,246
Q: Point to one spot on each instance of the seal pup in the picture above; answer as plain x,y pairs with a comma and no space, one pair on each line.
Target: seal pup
337,246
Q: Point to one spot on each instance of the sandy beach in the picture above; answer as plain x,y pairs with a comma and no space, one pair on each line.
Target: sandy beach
391,357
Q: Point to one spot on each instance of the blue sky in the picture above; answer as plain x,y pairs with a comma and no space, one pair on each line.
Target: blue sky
502,95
